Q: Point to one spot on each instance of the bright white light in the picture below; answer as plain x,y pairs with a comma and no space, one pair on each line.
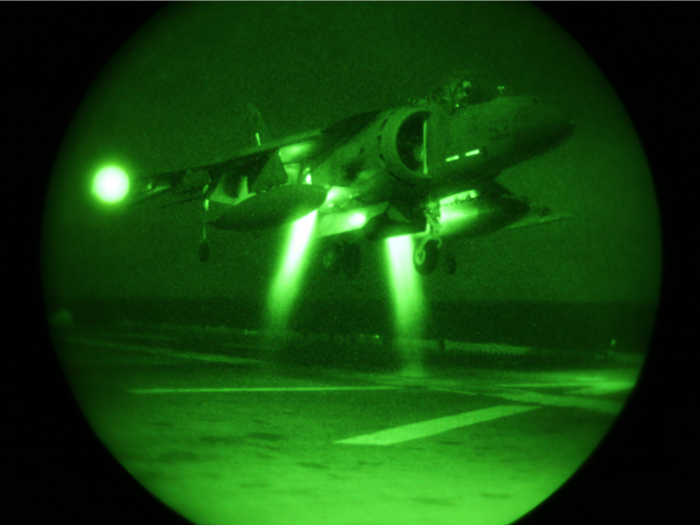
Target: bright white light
110,184
308,179
295,152
357,219
406,287
286,284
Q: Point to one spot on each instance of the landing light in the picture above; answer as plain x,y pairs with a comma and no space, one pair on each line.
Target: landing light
357,219
111,184
295,152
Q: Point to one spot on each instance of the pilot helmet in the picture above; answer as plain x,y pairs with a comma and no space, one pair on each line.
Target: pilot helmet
466,91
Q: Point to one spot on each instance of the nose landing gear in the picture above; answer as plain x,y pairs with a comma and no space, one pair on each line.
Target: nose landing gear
431,250
426,255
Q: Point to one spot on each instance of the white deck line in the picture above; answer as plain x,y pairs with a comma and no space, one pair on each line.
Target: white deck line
436,426
260,389
167,352
599,405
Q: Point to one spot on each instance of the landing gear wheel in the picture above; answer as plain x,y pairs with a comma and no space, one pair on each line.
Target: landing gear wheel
332,259
426,259
449,263
204,251
352,260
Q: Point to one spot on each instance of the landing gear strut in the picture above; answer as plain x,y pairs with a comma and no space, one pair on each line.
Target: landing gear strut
203,251
430,250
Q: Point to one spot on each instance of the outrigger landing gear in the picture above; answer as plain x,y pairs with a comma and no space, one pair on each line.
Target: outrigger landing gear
203,251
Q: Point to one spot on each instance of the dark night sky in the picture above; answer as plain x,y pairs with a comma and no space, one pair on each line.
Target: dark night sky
175,97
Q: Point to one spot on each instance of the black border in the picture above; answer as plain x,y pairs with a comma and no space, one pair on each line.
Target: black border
61,473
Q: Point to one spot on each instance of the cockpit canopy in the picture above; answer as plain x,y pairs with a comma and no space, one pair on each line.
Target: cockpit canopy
462,88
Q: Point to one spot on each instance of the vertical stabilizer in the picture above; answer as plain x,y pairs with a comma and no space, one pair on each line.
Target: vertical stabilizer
256,126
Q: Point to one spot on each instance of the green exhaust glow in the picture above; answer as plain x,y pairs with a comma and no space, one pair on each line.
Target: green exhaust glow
472,152
286,284
110,184
405,286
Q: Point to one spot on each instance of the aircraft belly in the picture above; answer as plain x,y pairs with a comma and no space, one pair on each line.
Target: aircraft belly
480,216
337,223
272,208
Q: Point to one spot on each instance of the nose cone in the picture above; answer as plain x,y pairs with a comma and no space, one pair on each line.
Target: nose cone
538,127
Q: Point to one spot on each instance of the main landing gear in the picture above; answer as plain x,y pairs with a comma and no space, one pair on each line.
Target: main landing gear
342,258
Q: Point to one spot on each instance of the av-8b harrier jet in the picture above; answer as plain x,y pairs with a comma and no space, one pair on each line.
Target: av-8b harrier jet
427,169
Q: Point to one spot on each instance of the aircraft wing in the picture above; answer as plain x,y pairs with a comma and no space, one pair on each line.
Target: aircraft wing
262,165
189,184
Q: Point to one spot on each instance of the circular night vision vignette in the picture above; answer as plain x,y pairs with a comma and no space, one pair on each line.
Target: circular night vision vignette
112,184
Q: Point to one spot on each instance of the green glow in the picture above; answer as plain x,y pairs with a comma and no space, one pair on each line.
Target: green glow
453,157
454,207
286,284
471,153
295,152
452,213
459,197
111,184
308,179
405,287
357,219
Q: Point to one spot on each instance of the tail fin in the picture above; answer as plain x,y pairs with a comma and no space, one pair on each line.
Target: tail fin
256,126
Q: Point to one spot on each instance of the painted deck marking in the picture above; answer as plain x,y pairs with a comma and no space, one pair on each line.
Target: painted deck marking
600,405
584,388
261,389
436,426
167,352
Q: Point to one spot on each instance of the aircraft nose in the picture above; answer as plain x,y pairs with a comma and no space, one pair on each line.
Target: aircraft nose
539,126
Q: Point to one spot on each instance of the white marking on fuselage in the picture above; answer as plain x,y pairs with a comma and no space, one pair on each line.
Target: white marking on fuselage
260,389
435,426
